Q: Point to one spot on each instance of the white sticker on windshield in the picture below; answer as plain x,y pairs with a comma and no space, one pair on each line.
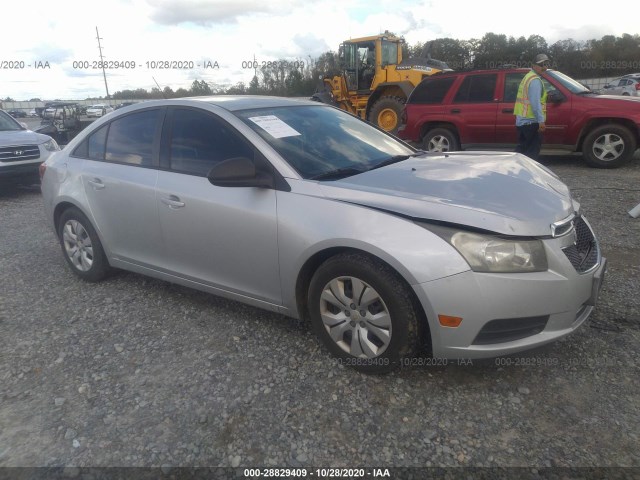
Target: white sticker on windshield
274,126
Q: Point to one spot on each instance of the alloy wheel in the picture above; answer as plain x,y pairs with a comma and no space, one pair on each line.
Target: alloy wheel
608,147
439,143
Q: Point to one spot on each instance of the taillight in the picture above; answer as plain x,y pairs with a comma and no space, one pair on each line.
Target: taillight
638,86
41,170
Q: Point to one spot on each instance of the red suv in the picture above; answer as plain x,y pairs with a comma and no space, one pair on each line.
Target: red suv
474,109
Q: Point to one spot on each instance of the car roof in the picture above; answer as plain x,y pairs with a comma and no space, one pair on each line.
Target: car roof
60,104
478,71
246,102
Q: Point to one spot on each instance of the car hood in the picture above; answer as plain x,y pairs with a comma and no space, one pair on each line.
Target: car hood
22,137
506,193
616,98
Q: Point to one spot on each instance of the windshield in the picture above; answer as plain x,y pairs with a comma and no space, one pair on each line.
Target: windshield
317,140
7,123
573,85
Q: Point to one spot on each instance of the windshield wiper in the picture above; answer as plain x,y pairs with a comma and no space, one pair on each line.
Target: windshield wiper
397,158
337,173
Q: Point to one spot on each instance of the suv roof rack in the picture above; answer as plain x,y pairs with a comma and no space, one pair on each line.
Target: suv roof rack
467,70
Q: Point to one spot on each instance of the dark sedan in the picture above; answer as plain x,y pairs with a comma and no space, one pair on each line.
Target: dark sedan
17,113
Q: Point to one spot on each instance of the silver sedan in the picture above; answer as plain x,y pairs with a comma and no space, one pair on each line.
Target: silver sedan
300,208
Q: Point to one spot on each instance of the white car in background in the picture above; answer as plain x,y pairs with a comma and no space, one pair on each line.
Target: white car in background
98,110
628,85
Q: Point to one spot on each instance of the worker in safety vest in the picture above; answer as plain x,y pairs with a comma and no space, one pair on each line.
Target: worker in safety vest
531,109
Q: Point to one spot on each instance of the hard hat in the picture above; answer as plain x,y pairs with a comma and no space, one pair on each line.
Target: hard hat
540,58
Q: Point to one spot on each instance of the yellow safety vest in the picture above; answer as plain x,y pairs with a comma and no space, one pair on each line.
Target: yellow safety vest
522,106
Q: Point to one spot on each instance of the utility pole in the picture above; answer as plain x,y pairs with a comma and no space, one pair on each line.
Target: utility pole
255,66
102,62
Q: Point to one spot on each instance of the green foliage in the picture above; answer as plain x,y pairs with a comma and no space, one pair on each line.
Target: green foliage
200,88
254,85
610,56
494,51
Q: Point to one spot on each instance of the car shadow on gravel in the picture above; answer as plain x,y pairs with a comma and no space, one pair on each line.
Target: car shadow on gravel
15,191
203,300
252,326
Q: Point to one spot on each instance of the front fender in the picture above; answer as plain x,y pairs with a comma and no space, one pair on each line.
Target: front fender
309,225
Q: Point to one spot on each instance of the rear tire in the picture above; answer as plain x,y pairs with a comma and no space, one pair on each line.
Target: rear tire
386,113
362,311
81,246
440,140
609,146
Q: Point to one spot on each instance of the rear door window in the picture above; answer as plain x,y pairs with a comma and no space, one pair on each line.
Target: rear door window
131,138
511,84
477,89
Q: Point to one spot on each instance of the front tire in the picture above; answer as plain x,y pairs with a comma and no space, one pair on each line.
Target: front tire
81,246
609,146
363,313
386,113
440,140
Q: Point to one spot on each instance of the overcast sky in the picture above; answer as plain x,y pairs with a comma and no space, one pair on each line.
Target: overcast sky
231,32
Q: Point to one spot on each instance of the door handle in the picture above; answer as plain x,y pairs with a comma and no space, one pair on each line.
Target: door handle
455,110
507,110
172,201
97,184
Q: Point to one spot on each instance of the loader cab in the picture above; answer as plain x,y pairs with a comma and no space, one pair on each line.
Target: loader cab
363,59
350,63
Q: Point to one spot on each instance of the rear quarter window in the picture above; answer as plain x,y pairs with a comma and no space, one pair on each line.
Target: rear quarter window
431,91
93,146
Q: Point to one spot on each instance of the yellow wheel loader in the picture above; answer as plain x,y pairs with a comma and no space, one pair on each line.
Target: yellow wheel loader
375,81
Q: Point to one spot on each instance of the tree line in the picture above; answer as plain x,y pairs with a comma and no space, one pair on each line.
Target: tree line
609,56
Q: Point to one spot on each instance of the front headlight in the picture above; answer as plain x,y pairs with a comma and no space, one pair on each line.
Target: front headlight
490,253
51,146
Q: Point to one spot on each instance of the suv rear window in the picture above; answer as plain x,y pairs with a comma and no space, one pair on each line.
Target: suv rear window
477,88
431,90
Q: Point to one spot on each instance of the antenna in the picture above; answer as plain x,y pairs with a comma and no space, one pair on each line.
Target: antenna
161,91
102,62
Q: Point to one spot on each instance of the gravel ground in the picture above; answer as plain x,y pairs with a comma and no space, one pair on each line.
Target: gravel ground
138,372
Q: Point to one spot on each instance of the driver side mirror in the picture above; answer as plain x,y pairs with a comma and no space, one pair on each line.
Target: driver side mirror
239,172
555,96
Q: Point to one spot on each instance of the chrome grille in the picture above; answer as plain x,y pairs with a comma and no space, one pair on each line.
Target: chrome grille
584,254
19,153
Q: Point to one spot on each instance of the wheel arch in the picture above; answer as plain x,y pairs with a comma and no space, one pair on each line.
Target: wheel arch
312,264
389,89
599,122
65,205
62,207
428,126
